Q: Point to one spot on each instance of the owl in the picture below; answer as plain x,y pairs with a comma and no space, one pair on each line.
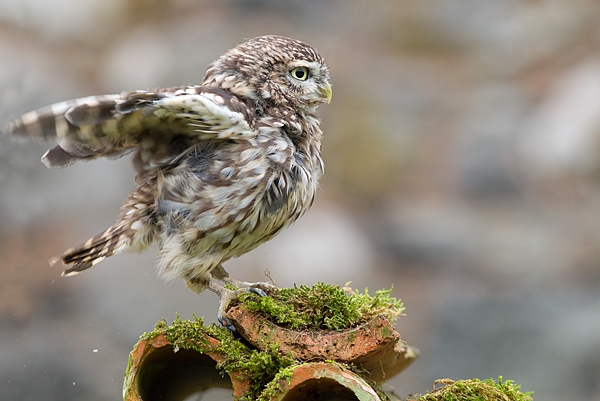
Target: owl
221,167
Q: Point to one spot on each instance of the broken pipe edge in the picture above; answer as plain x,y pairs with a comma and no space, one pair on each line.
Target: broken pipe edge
327,380
156,371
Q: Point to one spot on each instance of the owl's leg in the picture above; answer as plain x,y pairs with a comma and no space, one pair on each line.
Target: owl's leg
227,296
259,288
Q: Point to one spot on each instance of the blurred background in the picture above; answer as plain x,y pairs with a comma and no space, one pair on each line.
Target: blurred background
462,156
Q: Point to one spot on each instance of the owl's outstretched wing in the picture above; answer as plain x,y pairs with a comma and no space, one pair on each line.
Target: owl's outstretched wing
160,124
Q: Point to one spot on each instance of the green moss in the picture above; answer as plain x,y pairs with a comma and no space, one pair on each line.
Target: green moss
322,307
159,327
476,390
258,367
274,387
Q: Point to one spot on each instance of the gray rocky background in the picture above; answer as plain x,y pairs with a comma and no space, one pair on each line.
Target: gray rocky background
463,167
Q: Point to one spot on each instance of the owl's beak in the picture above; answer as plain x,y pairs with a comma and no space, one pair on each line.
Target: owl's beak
325,92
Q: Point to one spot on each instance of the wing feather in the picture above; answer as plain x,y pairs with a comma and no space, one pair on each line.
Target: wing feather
151,121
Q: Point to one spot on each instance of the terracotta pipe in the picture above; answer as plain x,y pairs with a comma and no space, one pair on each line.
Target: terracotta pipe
157,372
323,381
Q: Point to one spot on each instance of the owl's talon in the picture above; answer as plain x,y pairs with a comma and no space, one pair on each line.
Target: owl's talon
227,296
226,323
262,286
257,291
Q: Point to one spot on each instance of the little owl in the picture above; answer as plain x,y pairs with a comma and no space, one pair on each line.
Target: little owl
221,167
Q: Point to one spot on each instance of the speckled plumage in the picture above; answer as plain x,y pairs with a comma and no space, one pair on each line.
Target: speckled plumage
222,167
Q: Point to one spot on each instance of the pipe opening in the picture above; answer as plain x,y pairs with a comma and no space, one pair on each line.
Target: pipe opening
172,376
320,389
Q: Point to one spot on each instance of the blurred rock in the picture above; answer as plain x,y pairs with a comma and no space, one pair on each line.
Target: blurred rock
29,286
65,20
485,146
563,133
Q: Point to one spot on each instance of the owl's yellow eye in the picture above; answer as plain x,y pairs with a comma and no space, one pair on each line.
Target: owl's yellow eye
300,73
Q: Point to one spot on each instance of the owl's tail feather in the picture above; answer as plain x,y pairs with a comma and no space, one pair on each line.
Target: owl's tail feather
94,250
135,230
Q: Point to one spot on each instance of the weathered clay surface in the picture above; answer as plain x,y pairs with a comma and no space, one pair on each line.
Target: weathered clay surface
375,345
323,381
344,346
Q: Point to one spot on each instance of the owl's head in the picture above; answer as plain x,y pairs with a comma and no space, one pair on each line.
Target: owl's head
273,70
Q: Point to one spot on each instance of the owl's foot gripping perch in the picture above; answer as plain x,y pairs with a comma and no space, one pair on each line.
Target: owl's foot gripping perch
227,296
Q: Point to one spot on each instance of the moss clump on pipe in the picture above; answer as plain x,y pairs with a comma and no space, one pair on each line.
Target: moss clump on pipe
323,306
474,390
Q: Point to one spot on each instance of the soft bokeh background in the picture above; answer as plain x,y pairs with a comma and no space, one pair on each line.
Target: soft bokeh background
463,167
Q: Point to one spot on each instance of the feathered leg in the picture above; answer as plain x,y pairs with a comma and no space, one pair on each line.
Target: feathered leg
226,296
